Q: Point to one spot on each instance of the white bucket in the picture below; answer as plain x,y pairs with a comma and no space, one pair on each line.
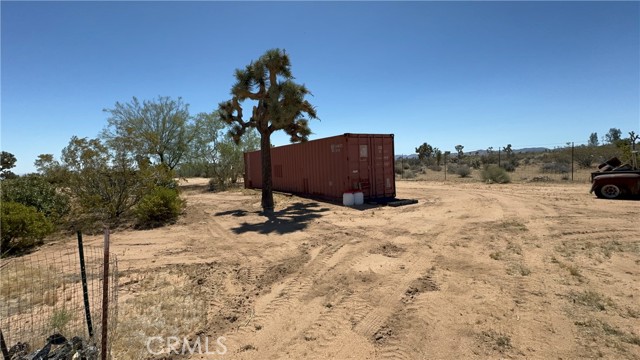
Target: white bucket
348,199
358,198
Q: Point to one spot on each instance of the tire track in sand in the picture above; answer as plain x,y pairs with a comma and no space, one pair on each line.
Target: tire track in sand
282,298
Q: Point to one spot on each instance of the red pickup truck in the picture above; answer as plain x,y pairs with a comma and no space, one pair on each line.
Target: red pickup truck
615,180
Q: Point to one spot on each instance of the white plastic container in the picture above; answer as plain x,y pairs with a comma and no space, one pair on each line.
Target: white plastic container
348,199
358,198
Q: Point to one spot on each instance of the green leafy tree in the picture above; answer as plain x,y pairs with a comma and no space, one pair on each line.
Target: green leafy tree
216,153
47,166
279,105
202,150
105,185
35,191
7,161
44,162
593,139
230,163
159,129
614,135
626,148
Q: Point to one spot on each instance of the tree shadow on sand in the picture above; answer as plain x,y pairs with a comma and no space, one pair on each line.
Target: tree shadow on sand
295,217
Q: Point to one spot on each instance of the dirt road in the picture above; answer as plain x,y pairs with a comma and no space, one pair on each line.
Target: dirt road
471,271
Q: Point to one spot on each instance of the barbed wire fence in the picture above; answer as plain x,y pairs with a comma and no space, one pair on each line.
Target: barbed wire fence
570,162
48,293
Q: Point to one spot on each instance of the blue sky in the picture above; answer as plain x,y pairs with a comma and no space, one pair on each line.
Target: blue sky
478,74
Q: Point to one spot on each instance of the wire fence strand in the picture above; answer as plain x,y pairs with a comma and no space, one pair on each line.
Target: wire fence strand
42,294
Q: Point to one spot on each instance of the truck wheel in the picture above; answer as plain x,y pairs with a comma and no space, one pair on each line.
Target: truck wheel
608,191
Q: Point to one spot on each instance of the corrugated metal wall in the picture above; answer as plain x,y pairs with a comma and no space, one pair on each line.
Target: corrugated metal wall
328,167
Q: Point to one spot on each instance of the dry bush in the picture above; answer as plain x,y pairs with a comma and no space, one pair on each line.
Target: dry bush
495,174
463,171
555,168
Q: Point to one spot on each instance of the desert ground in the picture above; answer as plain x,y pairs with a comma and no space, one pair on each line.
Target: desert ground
473,271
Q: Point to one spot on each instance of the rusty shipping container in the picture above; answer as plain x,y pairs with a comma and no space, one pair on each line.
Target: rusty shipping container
327,168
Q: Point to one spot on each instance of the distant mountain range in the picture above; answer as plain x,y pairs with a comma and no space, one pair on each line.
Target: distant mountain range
516,151
484,152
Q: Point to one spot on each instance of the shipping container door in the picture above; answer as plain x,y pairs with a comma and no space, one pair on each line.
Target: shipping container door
377,167
359,155
383,182
388,174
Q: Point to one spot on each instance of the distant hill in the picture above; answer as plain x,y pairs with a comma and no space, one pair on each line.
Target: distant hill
516,151
484,152
533,149
410,156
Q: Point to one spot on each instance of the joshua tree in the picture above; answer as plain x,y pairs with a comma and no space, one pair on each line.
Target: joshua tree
280,105
460,152
424,151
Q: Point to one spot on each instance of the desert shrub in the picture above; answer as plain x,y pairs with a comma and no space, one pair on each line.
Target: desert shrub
463,171
398,168
408,174
213,185
217,185
562,156
495,174
452,168
23,227
34,190
435,167
413,162
160,207
193,169
160,175
508,166
555,168
476,164
584,161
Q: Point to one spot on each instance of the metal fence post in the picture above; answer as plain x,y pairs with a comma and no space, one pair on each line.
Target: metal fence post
572,161
105,297
85,291
3,346
445,165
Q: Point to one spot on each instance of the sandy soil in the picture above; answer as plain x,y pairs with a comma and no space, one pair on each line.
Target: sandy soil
535,271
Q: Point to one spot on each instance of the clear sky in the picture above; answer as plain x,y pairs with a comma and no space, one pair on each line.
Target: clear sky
478,74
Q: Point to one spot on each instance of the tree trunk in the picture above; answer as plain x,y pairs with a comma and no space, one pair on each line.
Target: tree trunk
267,183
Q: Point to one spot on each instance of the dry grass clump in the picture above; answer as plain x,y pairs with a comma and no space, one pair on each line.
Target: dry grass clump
592,299
39,279
164,305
